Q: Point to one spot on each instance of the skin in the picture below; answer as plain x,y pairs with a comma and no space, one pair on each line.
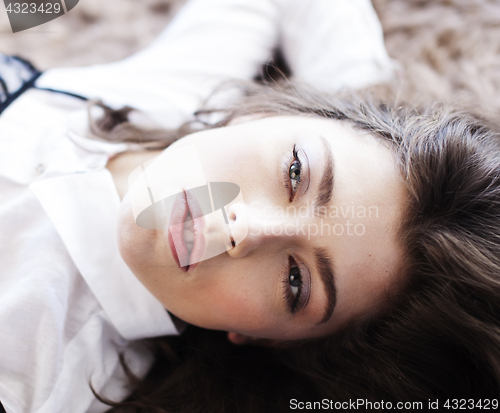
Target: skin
242,291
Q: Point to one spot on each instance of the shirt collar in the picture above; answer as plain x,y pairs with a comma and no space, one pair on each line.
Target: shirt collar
84,209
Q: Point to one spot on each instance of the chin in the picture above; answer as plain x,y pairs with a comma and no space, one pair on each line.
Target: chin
135,244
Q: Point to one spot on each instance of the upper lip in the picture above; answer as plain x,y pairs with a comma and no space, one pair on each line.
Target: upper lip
184,204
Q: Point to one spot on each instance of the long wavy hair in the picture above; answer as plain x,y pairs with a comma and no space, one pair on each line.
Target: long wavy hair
440,335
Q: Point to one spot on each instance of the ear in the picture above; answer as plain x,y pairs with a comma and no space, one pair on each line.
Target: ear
241,339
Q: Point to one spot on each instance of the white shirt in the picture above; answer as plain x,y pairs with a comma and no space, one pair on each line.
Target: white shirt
68,303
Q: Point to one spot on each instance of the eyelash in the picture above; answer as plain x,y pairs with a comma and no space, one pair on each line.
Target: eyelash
292,300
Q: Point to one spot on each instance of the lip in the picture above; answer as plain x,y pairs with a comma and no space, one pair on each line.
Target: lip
186,203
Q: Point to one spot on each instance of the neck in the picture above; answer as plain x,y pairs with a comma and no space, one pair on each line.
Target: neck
124,163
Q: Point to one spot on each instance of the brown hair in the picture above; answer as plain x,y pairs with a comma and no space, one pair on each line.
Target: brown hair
441,335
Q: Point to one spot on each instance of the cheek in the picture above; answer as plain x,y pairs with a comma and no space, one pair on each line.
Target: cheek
233,154
231,303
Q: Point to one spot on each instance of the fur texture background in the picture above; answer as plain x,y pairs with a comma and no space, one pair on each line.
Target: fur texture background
449,49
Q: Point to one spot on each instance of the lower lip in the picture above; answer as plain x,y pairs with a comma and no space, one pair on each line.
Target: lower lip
183,204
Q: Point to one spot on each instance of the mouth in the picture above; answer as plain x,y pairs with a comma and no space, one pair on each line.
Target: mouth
185,232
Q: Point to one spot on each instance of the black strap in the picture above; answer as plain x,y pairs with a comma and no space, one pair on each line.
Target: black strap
33,75
28,83
62,91
2,409
12,97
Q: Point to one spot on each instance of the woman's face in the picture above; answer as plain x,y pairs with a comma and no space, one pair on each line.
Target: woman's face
322,205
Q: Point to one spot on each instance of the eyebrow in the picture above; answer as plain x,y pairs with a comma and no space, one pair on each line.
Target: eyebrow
325,269
323,262
325,188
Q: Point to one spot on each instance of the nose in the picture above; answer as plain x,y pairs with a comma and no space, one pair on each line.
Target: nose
251,229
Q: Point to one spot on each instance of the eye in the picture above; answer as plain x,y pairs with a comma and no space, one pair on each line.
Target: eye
295,280
295,172
292,284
